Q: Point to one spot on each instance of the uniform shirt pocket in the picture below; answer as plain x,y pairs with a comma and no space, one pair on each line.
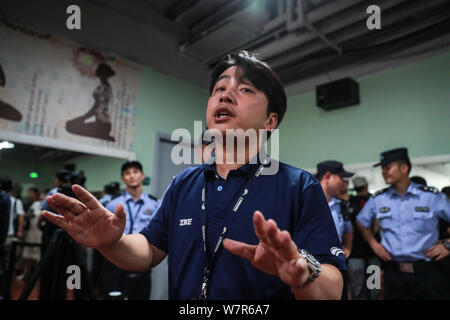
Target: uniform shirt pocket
423,221
386,220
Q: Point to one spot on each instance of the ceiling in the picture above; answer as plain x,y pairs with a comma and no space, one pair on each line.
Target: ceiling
308,42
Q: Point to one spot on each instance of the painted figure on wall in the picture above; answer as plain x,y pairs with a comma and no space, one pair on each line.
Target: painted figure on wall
100,126
7,111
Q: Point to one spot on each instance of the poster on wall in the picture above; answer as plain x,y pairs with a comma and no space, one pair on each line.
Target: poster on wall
56,94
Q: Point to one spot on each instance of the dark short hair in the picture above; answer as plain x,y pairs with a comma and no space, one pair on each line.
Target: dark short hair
112,188
260,74
418,180
104,70
6,183
131,164
408,163
446,190
34,189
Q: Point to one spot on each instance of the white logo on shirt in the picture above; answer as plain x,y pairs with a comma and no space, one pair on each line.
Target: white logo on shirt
185,222
336,251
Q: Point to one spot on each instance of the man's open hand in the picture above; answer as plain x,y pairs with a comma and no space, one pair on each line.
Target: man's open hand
86,221
276,253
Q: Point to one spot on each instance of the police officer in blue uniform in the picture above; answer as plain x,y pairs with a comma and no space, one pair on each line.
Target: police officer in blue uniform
408,214
221,222
332,178
140,208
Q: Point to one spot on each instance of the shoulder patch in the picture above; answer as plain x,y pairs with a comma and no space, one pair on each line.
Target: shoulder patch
429,189
380,192
152,197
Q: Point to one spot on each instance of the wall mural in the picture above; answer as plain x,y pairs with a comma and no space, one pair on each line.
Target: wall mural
57,94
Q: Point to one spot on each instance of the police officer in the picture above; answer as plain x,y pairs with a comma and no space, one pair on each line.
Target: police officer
333,179
331,175
139,207
408,214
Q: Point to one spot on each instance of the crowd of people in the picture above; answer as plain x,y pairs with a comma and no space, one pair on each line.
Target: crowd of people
231,231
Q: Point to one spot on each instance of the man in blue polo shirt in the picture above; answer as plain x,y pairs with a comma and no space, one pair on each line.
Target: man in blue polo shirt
211,219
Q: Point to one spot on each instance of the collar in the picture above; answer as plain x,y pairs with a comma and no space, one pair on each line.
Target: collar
413,189
128,197
334,201
248,169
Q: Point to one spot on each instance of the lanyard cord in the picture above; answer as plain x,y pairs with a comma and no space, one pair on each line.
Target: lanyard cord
210,262
131,214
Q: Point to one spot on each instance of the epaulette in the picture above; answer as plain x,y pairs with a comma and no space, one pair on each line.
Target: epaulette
380,191
152,197
429,189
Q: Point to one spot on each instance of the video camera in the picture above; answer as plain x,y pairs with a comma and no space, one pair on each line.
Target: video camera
68,178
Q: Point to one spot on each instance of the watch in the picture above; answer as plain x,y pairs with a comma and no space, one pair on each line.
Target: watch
447,244
313,265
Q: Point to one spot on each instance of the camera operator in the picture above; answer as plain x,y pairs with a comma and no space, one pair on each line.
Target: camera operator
53,276
110,191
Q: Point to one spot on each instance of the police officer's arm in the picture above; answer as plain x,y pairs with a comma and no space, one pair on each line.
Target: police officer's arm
364,221
347,239
277,254
442,205
92,225
347,243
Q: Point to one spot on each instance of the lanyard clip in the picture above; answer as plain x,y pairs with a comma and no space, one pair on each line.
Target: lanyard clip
204,289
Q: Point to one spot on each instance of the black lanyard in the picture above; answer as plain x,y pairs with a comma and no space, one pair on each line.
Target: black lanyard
230,218
130,213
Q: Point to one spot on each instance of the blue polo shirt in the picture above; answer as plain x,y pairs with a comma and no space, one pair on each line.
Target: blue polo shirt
292,197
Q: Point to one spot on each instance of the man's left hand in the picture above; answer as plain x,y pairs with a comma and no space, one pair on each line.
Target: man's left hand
276,253
437,252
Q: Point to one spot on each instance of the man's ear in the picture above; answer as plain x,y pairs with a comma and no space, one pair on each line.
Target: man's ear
327,176
272,121
404,168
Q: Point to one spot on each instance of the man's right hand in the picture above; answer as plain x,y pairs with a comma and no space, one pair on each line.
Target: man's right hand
380,251
87,222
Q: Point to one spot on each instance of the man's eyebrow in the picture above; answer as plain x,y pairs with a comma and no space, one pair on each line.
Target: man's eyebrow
241,79
225,76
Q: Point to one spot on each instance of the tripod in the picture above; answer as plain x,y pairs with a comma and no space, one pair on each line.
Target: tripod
59,245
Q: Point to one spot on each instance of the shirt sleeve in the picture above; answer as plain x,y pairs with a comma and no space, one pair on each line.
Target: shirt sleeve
315,230
157,230
443,206
19,207
367,214
348,226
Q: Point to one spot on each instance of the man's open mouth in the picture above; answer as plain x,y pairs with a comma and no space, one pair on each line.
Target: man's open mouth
223,114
